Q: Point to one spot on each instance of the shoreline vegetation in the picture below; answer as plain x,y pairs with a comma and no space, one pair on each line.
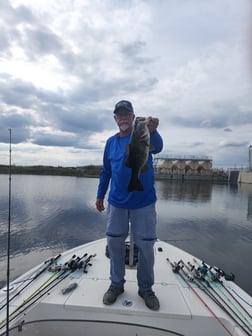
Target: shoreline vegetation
85,171
93,171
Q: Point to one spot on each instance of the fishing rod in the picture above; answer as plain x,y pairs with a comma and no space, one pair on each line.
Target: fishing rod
52,261
242,298
41,268
24,302
87,262
8,243
203,284
47,281
204,273
37,291
220,273
70,267
67,269
177,269
15,285
215,277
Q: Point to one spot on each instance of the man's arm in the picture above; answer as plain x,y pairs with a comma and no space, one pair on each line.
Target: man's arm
156,140
103,182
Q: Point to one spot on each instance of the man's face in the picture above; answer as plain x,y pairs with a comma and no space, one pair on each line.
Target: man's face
124,120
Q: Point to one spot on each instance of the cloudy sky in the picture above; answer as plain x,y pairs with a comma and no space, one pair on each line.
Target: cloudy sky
64,65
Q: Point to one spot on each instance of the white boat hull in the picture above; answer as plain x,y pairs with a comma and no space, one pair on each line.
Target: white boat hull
42,309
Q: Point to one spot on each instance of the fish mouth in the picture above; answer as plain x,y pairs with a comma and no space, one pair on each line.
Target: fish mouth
141,118
144,120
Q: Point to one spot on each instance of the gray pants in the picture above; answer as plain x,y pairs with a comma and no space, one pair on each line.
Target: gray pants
143,226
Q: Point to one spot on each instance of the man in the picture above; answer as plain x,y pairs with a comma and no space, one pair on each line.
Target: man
138,207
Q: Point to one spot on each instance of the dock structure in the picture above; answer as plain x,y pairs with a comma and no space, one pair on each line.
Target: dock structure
241,175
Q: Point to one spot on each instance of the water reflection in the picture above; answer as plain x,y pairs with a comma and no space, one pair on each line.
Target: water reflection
246,189
192,192
49,211
210,221
51,214
249,216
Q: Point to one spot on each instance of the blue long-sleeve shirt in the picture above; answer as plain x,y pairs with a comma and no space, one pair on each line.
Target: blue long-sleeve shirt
115,172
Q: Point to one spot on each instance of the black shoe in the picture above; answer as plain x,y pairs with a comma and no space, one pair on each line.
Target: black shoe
150,299
111,295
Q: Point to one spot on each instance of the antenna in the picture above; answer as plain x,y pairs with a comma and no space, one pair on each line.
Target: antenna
8,244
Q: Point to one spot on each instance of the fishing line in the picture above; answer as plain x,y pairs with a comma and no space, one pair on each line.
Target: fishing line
240,297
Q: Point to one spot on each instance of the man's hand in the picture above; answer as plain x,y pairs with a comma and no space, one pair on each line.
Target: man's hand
153,124
100,204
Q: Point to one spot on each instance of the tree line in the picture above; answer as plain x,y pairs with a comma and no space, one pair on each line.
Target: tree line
85,171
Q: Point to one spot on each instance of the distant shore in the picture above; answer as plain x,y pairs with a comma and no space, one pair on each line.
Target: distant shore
85,171
93,171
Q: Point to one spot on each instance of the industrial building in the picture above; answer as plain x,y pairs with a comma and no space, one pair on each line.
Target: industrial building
189,165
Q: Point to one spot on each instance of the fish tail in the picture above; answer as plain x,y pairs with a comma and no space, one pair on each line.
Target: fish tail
135,184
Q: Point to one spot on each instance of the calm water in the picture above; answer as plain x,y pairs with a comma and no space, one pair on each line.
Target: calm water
51,214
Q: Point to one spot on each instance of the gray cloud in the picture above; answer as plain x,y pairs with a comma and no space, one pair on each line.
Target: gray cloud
54,110
220,119
14,15
40,42
227,129
179,60
4,40
16,92
49,139
19,123
9,20
237,144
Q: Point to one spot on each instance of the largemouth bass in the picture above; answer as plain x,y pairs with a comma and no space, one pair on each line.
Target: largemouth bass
138,152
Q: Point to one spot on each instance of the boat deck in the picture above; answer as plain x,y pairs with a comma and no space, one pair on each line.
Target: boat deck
181,312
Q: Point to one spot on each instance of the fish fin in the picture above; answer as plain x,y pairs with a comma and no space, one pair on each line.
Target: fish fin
136,185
